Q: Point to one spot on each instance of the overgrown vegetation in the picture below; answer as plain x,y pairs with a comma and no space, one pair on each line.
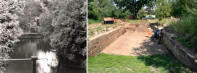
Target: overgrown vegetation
67,21
182,8
186,27
97,9
104,63
9,28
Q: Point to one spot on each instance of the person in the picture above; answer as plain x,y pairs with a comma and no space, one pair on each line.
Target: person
155,35
160,36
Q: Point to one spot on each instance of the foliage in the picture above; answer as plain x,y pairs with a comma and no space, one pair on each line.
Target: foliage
97,9
163,8
68,29
104,63
9,27
186,28
178,8
100,8
184,7
141,13
132,5
92,12
32,9
191,6
186,25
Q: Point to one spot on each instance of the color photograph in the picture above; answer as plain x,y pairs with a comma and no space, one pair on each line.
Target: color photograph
142,36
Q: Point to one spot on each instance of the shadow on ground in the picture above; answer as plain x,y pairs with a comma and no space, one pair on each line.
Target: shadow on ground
165,62
159,57
149,47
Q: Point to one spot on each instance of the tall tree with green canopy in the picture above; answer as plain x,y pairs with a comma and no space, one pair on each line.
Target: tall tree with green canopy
163,8
184,7
97,9
132,5
191,6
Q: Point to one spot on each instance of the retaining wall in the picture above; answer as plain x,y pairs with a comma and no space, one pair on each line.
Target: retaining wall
182,53
97,44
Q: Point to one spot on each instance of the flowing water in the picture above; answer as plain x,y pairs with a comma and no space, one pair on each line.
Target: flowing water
47,60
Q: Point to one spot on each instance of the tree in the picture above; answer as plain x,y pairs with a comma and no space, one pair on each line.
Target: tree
141,13
97,9
132,5
9,27
68,31
31,10
163,8
184,7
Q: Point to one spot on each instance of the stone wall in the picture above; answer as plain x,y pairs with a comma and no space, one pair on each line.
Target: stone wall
97,44
182,53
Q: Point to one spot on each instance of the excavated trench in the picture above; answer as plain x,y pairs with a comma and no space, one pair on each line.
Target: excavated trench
134,40
129,40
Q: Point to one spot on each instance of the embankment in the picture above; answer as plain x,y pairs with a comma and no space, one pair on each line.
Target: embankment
98,43
182,53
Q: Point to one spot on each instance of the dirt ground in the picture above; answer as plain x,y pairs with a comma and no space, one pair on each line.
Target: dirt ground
135,42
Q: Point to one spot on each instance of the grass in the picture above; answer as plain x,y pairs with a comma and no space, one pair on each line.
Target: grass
162,22
101,28
185,42
92,21
137,21
104,63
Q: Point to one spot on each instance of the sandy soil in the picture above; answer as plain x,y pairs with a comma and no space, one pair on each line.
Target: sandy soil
134,43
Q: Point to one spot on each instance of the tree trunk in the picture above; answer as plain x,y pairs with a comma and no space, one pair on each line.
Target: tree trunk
133,10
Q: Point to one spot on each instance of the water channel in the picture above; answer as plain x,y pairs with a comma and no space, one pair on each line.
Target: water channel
26,48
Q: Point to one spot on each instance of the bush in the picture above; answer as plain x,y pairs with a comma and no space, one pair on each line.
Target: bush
187,25
186,28
9,28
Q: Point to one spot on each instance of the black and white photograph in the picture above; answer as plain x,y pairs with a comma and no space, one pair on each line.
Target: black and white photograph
43,36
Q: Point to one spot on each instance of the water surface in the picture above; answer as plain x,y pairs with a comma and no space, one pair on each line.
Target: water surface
26,48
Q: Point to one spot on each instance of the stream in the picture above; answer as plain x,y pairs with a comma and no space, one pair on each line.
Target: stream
47,60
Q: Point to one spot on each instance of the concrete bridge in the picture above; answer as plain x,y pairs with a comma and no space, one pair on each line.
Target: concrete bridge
30,35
